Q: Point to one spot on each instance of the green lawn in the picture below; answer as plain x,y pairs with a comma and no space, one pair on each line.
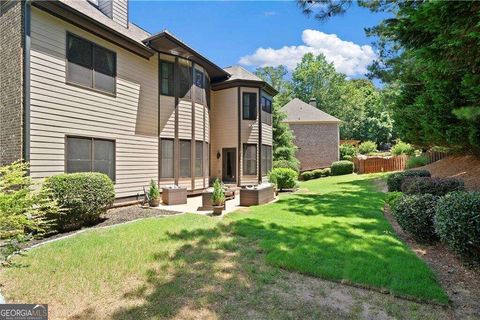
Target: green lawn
191,265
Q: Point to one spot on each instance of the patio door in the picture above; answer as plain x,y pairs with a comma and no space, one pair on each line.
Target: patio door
229,165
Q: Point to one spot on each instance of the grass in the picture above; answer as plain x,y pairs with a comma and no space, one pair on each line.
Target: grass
195,266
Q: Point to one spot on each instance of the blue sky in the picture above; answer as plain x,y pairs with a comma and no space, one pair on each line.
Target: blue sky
227,31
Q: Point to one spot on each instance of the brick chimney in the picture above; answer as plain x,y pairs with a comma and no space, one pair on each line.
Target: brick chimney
313,102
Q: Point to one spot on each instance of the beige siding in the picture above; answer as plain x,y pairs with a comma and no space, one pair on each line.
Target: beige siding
120,12
267,134
207,125
199,125
59,109
167,117
224,123
185,119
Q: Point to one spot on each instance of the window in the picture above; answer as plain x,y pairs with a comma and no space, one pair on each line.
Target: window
199,83
249,106
198,158
90,65
185,70
185,158
167,84
90,155
249,159
266,105
167,158
266,159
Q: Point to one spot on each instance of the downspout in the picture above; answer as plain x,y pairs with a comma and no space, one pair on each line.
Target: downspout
26,81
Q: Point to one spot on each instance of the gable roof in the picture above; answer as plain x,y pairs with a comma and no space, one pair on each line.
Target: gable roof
240,76
299,111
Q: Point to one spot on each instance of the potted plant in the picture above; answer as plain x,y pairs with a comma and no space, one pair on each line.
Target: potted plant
218,198
153,194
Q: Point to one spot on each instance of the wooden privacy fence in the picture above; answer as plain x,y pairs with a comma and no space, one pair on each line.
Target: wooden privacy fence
380,164
395,163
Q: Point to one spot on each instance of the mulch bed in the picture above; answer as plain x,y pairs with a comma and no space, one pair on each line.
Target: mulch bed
461,283
111,217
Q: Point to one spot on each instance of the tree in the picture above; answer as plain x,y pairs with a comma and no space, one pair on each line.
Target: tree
358,103
283,146
429,49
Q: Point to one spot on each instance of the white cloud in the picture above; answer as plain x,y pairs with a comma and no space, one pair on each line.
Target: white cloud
347,57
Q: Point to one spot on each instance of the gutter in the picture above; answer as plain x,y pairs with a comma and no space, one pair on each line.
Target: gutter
26,81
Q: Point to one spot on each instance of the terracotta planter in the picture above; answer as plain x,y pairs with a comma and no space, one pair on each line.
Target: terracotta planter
217,210
154,202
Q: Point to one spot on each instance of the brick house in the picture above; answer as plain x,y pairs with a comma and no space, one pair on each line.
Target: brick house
84,89
316,134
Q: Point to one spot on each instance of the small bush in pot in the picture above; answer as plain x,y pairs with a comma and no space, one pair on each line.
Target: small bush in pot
415,214
457,222
341,167
395,180
82,197
218,197
283,178
153,194
435,186
367,147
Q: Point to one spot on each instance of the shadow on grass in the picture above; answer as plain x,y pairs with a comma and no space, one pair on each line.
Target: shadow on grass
220,272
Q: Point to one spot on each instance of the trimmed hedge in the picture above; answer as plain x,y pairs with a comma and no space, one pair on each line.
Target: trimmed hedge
395,180
283,178
457,222
415,214
82,197
307,175
392,197
341,167
436,186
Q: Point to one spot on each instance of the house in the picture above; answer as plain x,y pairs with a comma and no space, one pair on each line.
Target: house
316,134
85,89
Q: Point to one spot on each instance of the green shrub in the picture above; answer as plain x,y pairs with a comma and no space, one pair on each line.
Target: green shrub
457,222
395,180
327,172
82,196
218,194
415,214
367,147
286,164
307,175
415,162
153,191
283,178
402,148
392,197
347,151
341,167
24,207
436,186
